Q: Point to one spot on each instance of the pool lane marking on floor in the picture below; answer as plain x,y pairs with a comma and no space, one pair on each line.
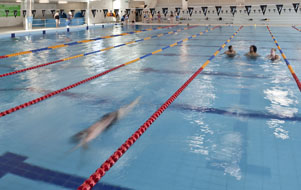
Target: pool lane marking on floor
79,42
296,28
285,59
245,114
93,52
11,163
27,104
101,171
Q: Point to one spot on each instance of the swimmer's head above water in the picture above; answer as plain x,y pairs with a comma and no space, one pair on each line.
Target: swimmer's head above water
273,56
253,52
230,52
253,49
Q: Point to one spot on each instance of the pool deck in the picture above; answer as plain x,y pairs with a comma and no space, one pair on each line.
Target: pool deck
19,30
10,29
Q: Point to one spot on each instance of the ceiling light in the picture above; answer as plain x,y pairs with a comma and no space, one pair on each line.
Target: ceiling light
44,1
62,2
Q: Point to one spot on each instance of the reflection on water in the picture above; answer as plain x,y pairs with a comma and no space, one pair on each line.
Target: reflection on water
279,132
227,154
281,110
282,99
280,96
222,150
196,142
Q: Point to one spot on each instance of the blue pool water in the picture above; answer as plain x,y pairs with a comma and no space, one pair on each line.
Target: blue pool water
236,126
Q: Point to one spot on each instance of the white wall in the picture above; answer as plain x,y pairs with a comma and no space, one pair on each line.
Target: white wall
39,7
169,3
137,4
54,6
100,5
237,2
286,18
151,3
11,21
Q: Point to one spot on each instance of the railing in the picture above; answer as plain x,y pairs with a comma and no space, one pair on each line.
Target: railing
51,22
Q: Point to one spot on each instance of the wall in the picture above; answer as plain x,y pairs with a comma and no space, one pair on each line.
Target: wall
110,5
169,3
286,18
137,4
11,21
100,5
54,6
236,2
39,7
151,3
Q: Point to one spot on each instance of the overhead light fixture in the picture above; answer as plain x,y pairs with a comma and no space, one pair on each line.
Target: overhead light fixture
44,1
19,1
62,2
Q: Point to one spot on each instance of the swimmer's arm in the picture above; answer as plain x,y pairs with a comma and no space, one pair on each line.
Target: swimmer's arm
268,57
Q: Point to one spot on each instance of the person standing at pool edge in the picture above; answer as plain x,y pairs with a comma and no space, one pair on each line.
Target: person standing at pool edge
159,17
230,52
57,18
253,52
69,18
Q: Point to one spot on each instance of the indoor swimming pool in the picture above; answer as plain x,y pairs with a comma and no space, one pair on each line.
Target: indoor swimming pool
235,126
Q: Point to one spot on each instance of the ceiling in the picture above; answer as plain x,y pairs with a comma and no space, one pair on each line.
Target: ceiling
51,1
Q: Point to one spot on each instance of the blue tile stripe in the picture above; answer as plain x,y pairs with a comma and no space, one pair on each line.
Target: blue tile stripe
257,114
14,164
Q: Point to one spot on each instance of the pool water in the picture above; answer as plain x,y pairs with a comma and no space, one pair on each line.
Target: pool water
236,126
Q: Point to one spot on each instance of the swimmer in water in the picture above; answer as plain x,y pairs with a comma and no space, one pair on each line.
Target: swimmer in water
253,52
85,136
230,52
273,56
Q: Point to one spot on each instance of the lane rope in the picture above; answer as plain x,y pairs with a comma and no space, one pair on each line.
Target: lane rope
93,52
27,104
80,42
101,171
285,59
296,28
